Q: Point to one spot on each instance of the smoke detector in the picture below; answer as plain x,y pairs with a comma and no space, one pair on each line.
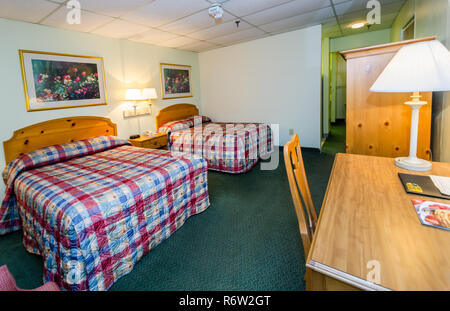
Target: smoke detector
216,11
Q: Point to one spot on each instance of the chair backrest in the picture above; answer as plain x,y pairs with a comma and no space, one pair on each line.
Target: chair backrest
306,212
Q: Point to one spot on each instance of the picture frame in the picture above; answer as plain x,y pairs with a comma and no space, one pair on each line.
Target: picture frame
176,81
60,81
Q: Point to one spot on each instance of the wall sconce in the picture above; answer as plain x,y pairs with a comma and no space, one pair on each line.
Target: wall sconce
136,96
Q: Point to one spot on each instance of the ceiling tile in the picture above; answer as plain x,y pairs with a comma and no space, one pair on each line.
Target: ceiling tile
187,25
350,18
220,30
243,8
120,29
358,5
350,6
249,34
361,15
286,10
153,36
340,1
177,42
26,10
312,18
89,21
199,46
162,12
113,8
194,22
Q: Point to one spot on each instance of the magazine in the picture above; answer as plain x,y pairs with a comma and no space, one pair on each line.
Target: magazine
433,214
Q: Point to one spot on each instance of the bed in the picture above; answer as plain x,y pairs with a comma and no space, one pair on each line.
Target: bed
227,147
90,203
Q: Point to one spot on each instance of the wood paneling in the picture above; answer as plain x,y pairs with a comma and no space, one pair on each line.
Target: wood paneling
367,215
53,132
175,112
379,123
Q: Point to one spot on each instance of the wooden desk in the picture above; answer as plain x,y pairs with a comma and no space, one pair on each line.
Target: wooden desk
367,215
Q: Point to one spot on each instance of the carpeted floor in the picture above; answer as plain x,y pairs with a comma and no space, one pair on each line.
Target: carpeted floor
336,139
247,239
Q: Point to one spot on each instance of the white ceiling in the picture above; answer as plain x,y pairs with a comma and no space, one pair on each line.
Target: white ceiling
185,24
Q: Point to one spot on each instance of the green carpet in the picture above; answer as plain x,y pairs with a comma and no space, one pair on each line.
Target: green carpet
247,239
336,139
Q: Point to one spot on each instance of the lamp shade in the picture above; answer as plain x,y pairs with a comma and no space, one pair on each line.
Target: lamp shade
133,94
149,93
418,67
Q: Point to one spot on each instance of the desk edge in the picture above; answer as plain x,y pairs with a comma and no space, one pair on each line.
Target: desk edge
322,210
345,277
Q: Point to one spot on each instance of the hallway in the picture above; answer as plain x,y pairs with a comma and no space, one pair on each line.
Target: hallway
335,142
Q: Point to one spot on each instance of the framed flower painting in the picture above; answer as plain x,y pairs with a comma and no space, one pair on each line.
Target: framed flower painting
176,81
57,81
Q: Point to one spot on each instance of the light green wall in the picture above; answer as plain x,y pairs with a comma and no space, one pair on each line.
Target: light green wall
127,64
404,16
432,17
325,86
360,40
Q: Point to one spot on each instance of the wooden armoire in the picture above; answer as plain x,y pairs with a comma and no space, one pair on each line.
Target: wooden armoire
379,124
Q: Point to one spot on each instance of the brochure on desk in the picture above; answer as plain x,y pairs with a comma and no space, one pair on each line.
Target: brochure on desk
433,214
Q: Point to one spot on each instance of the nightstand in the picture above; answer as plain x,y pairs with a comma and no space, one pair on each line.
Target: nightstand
157,141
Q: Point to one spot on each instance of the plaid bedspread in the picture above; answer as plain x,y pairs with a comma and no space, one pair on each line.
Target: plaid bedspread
93,208
227,147
182,124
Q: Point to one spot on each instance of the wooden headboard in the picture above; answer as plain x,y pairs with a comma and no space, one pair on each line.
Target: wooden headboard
53,132
175,112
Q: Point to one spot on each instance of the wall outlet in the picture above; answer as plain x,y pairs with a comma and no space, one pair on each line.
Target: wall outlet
291,131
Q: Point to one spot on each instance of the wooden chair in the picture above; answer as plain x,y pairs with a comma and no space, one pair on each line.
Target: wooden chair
306,212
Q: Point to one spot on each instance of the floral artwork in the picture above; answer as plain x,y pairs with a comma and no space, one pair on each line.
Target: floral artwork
54,81
60,81
176,81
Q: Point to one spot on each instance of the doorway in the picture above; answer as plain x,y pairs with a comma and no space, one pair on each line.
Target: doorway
335,142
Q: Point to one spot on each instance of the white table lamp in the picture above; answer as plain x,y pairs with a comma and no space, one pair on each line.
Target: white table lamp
418,67
149,93
133,95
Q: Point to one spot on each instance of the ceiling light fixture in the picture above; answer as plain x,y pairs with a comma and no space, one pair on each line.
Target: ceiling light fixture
358,25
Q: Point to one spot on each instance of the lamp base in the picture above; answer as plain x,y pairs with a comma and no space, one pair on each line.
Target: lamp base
414,164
